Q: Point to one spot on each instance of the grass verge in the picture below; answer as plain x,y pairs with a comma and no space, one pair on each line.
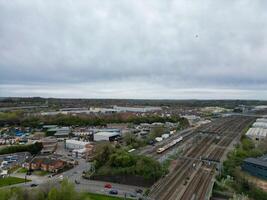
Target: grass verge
93,196
11,181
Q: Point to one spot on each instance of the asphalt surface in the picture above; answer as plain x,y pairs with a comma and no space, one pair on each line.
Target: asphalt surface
21,157
75,175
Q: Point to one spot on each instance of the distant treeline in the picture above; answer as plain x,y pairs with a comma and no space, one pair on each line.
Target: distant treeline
59,103
86,120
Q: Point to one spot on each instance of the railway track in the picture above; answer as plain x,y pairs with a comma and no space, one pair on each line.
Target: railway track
166,188
152,150
172,188
197,187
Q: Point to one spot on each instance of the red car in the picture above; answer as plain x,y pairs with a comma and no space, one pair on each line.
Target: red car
108,185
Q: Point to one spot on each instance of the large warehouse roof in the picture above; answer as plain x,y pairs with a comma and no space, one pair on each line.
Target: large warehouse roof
260,124
262,120
77,142
107,134
256,161
261,132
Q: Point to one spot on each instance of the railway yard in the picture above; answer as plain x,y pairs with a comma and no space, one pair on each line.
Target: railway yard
151,151
193,174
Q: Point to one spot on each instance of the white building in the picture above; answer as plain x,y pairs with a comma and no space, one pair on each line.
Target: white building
82,153
82,133
260,125
106,136
75,144
136,109
257,133
258,130
262,120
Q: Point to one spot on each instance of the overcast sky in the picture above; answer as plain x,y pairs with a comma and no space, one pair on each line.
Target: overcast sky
180,49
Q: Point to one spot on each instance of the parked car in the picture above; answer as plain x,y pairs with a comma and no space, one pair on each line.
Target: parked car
108,185
140,191
115,192
34,185
151,142
133,195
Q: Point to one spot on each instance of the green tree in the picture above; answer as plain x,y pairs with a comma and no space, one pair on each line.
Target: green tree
67,191
54,194
156,132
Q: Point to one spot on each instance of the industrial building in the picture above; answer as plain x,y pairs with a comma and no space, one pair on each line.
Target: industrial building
106,136
257,133
137,109
59,132
83,153
75,144
262,120
260,125
49,144
256,166
258,130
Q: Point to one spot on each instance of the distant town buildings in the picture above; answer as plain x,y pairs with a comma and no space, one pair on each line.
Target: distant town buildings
115,109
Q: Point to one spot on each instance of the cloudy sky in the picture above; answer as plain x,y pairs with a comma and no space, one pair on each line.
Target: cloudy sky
174,49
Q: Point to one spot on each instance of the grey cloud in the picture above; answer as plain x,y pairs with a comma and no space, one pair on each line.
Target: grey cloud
168,44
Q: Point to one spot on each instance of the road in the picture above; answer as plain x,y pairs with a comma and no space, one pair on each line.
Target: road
76,174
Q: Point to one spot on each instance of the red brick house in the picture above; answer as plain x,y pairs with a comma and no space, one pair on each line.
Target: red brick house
52,165
45,164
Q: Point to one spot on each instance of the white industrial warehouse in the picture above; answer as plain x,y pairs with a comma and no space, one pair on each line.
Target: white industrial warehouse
260,125
258,130
257,133
75,144
106,136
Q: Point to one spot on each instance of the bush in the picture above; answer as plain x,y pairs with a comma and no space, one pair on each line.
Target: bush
32,148
112,161
232,167
65,191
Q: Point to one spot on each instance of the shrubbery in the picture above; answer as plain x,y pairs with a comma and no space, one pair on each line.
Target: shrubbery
232,167
133,141
32,148
112,161
65,191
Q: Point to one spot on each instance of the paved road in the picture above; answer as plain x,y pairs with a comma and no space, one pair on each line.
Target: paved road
76,174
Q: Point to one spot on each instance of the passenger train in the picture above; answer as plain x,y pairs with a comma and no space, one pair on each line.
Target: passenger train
169,145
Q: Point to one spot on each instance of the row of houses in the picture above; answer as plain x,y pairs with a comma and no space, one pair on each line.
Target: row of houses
45,163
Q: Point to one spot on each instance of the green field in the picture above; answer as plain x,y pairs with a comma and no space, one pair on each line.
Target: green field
22,170
11,181
41,173
93,196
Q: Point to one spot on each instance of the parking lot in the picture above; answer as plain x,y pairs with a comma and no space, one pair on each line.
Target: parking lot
8,161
